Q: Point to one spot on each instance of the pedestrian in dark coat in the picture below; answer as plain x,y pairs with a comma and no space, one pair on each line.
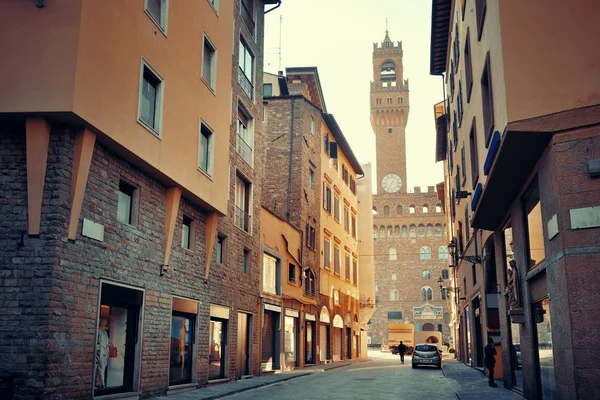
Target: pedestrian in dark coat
490,360
402,351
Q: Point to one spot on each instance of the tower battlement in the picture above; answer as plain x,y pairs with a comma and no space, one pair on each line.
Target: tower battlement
387,45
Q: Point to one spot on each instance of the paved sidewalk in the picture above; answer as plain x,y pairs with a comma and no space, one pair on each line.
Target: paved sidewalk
471,384
217,391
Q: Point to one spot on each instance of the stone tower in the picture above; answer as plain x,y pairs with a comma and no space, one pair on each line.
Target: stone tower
408,226
389,113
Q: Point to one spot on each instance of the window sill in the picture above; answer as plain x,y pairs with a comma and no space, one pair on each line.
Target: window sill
158,25
203,172
214,8
208,85
153,131
190,252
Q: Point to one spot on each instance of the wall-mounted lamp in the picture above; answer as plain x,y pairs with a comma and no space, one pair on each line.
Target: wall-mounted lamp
164,268
440,283
462,194
471,259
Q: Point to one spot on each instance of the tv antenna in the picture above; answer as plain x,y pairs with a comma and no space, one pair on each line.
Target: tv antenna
279,50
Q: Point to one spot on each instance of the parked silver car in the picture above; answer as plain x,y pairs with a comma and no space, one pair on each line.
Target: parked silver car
426,354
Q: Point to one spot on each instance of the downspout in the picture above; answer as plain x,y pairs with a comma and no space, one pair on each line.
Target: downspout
290,158
277,6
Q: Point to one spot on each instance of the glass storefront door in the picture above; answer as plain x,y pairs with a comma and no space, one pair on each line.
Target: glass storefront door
290,340
545,357
116,339
217,341
182,342
310,343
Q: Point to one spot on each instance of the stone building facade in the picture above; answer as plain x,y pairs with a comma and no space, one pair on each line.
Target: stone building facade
408,228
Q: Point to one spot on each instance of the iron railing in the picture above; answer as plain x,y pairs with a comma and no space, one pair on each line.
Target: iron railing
245,84
244,149
242,219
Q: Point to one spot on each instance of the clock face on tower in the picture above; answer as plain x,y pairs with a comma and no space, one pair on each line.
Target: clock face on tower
391,183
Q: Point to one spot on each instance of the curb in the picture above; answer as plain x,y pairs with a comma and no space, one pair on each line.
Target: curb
260,385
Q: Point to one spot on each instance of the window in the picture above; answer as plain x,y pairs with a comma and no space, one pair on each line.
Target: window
355,271
404,231
187,241
386,210
291,273
396,230
246,261
395,315
467,224
217,337
382,231
327,253
425,253
440,326
426,294
425,209
127,203
151,99
438,208
459,102
463,165
221,251
421,230
394,277
119,331
429,230
247,12
399,210
487,100
345,174
411,209
346,219
444,295
183,334
271,274
290,339
311,177
532,208
336,207
246,70
242,217
443,253
267,89
336,297
310,237
347,266
474,274
309,283
412,231
205,149
378,101
326,143
455,130
480,8
352,185
468,66
389,130
312,126
327,198
390,231
245,136
354,225
392,254
158,11
474,156
394,295
209,63
214,4
426,275
445,274
336,260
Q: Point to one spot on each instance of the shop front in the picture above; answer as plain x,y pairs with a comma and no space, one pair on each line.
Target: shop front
324,336
310,338
271,337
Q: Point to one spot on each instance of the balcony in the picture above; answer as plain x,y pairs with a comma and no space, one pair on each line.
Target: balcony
245,84
244,149
242,219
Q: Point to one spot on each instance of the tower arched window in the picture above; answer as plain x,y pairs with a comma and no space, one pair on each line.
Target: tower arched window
412,231
426,275
375,230
399,210
382,231
374,210
425,208
404,231
386,210
421,230
443,253
393,254
445,274
438,208
425,253
411,209
396,230
390,231
426,293
394,277
394,295
429,230
444,296
390,130
438,230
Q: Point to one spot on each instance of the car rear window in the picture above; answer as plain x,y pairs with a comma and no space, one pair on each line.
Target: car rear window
517,347
426,347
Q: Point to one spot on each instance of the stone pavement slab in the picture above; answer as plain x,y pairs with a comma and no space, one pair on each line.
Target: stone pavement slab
471,384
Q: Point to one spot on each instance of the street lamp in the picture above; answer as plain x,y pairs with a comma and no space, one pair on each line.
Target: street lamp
452,250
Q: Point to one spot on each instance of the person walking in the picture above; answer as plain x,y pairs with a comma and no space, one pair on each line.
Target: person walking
490,360
402,351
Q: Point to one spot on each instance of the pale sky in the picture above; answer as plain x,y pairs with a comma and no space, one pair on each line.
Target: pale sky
337,37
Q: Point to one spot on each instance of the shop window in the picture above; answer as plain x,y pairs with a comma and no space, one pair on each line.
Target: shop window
217,340
535,233
183,343
290,339
118,340
544,351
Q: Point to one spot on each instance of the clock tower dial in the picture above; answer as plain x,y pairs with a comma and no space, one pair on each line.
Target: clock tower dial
391,183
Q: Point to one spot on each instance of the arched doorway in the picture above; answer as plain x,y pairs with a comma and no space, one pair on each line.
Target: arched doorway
428,327
324,329
337,337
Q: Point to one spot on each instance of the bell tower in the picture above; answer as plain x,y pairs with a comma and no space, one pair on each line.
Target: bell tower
389,114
